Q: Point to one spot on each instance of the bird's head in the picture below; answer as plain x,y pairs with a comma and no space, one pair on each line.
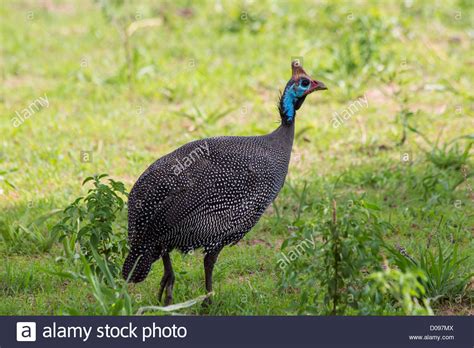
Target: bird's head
296,90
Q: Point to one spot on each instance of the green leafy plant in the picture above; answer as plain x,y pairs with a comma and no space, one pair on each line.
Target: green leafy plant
351,240
405,288
444,270
26,237
449,154
110,294
87,225
350,246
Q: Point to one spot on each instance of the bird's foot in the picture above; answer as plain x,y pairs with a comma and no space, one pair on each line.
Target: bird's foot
207,302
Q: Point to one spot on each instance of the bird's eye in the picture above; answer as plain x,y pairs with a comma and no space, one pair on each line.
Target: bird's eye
304,83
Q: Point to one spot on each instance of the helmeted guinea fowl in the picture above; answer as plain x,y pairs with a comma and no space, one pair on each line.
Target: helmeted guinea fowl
209,193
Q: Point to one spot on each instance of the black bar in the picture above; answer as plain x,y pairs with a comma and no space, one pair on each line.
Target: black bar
246,331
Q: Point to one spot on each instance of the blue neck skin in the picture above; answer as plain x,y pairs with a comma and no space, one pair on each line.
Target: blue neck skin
288,101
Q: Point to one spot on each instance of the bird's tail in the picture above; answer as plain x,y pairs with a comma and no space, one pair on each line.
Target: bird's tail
137,265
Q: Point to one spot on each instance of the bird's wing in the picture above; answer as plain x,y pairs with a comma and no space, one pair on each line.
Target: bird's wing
216,194
224,196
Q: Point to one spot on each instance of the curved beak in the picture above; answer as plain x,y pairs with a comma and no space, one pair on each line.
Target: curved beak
317,86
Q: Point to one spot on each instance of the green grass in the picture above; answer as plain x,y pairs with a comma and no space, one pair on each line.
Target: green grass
216,69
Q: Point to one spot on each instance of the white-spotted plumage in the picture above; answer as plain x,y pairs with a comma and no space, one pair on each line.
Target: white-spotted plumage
211,203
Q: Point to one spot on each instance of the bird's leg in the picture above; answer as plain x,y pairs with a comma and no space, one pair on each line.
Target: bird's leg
167,281
209,261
